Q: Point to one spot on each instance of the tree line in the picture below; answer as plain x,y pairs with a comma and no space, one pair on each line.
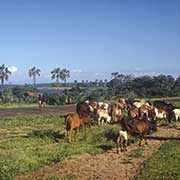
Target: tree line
144,86
120,85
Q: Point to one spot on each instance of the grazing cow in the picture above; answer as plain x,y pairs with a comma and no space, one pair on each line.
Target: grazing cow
92,104
133,112
147,111
84,109
115,112
160,113
163,105
102,116
151,114
122,140
122,103
103,105
143,110
141,102
176,114
142,127
72,122
168,107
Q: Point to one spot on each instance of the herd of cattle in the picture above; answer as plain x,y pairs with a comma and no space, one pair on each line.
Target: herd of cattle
140,119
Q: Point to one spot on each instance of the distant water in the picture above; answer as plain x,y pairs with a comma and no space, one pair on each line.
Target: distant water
51,90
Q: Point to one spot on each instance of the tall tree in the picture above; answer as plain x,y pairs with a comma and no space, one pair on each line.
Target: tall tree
64,74
34,72
56,74
4,75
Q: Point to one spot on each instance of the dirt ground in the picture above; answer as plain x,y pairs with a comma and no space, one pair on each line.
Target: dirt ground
4,112
107,166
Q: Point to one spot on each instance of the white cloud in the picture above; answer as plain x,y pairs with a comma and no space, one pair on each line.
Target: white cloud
138,69
76,70
13,69
99,74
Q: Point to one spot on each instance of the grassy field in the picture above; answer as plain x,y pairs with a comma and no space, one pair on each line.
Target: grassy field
164,164
28,143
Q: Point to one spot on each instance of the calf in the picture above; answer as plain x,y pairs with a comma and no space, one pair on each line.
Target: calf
122,140
86,121
72,122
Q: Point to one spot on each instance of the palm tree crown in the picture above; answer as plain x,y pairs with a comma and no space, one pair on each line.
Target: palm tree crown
4,74
33,72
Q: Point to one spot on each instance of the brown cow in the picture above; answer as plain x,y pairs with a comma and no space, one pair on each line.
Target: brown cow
133,112
115,112
122,103
72,122
86,121
142,127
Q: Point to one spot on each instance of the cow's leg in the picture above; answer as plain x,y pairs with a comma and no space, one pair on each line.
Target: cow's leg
69,134
125,145
176,117
145,139
140,139
102,121
99,121
118,140
122,142
66,133
76,134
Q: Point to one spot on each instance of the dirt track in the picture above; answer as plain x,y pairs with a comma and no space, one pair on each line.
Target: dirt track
107,166
4,112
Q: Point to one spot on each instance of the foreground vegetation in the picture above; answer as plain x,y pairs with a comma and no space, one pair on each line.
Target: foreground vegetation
28,143
164,164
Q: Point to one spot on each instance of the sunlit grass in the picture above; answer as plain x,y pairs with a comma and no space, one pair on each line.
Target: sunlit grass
39,140
164,164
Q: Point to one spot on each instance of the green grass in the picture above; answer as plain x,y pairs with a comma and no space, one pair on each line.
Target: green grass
164,164
28,143
136,153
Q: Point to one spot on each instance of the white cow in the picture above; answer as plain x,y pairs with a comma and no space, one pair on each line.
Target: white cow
122,140
103,116
160,114
176,114
103,105
139,104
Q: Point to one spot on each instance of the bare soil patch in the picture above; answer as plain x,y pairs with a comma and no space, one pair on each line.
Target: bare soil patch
109,165
5,112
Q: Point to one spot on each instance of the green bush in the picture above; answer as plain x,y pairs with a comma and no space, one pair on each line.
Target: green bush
56,99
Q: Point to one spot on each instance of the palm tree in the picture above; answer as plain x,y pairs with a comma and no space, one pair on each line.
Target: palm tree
4,75
56,74
64,74
33,72
114,75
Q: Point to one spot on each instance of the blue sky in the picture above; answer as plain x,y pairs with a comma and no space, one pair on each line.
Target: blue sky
91,38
